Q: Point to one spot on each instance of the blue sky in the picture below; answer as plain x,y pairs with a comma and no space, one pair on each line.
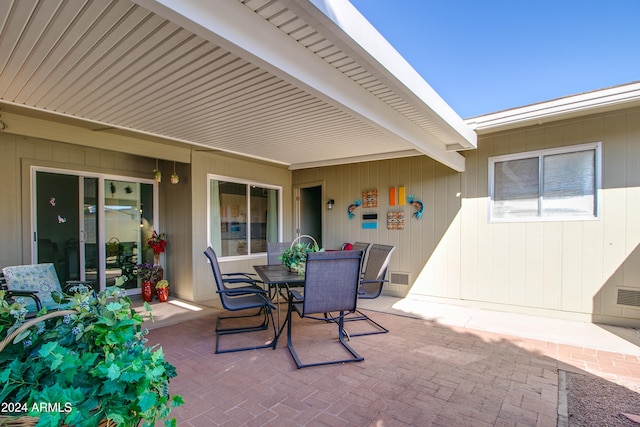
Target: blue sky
492,55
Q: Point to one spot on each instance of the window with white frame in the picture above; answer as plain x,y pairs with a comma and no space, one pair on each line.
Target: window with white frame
243,216
553,184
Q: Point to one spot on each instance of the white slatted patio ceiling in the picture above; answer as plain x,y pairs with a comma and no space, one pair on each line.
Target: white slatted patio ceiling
296,82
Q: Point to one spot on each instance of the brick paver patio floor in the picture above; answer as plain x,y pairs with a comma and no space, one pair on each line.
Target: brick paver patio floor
419,374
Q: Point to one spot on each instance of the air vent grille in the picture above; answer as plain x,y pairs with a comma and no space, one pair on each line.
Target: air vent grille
629,297
399,278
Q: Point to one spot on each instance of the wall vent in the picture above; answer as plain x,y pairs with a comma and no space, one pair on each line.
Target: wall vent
629,297
399,278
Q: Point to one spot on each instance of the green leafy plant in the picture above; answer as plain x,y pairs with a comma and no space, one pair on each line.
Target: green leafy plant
88,363
162,284
295,256
148,272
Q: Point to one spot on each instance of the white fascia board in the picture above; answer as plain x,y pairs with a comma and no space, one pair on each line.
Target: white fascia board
236,28
391,63
603,100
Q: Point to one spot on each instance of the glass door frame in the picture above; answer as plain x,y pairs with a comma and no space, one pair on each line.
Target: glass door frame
101,244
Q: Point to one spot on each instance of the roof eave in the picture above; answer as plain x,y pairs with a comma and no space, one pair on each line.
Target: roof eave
599,101
227,25
364,40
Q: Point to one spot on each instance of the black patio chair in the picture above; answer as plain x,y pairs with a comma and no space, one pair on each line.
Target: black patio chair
274,252
364,247
241,278
241,298
331,284
373,279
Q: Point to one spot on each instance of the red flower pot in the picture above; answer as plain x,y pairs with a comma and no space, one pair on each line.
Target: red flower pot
163,294
147,291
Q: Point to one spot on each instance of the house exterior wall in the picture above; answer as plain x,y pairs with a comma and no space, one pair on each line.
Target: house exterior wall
204,163
565,269
435,236
182,207
18,154
175,213
571,269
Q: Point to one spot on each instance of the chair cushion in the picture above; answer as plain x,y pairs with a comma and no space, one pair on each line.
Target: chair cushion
40,278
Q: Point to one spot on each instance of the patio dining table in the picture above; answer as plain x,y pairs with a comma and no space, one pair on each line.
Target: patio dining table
278,276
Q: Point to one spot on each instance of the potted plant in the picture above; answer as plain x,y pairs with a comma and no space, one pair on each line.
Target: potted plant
84,365
148,275
295,256
162,289
158,244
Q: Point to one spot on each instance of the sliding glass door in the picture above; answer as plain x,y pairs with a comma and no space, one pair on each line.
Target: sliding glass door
128,214
61,228
92,228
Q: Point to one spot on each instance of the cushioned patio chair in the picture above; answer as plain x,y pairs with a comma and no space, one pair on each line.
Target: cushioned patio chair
331,285
11,296
40,283
240,298
373,280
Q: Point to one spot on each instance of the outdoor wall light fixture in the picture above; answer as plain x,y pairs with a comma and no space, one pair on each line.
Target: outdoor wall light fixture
330,204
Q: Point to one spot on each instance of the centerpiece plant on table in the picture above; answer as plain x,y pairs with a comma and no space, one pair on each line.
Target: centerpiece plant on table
295,256
84,365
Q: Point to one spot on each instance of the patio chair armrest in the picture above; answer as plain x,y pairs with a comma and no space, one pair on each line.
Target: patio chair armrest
243,291
295,295
237,280
365,282
25,294
240,279
260,293
241,284
374,281
228,276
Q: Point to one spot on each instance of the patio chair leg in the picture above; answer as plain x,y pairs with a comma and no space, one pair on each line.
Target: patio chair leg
361,316
268,317
341,335
328,317
263,325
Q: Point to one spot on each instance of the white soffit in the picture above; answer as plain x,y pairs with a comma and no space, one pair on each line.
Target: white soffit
270,79
599,101
392,70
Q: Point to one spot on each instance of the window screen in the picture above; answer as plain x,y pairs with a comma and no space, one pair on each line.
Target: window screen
549,184
516,188
569,186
